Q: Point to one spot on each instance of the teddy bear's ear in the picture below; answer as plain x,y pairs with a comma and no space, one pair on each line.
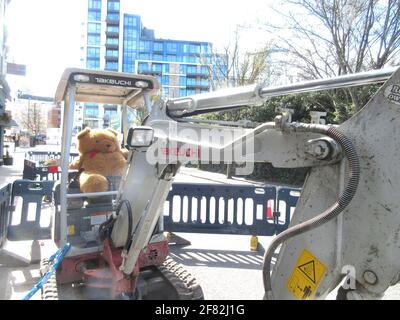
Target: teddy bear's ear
113,131
83,133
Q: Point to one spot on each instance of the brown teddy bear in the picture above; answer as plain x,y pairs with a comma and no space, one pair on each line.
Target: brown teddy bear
99,156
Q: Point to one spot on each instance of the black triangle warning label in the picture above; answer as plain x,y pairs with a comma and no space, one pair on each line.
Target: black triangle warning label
308,269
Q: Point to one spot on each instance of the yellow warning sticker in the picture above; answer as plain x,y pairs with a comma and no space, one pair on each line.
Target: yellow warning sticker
306,276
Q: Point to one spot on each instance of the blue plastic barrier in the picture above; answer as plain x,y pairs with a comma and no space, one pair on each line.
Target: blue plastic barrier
227,209
5,195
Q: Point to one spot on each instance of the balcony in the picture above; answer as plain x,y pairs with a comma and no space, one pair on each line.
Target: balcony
112,46
112,10
112,21
150,72
111,58
197,74
112,34
197,86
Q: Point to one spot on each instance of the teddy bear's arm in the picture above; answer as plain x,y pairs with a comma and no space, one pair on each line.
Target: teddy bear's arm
125,152
76,164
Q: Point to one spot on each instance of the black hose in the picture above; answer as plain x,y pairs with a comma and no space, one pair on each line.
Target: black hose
106,226
328,214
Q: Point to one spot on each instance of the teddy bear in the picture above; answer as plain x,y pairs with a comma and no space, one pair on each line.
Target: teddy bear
99,156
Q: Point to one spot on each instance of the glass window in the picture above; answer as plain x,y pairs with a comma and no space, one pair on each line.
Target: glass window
91,111
158,46
113,29
182,92
113,5
172,47
93,64
165,80
165,68
93,39
112,65
112,53
144,56
165,91
94,15
191,81
111,118
157,57
194,48
112,41
157,67
113,16
183,68
143,66
94,27
93,52
191,70
182,81
95,4
190,92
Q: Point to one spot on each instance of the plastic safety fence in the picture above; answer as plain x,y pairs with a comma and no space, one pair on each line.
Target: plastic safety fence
35,168
5,195
25,224
233,209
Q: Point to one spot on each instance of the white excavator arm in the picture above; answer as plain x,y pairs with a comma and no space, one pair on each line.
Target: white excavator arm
346,222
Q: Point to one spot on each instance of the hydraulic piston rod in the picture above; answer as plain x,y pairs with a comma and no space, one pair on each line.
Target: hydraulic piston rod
256,95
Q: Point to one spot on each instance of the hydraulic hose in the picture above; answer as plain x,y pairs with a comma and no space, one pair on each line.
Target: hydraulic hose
328,214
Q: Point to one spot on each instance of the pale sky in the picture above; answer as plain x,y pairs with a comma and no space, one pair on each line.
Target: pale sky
45,34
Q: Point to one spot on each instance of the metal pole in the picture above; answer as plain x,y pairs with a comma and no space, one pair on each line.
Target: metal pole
345,81
256,95
68,120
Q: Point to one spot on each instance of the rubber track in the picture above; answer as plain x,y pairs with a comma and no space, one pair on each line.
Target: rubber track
49,289
184,283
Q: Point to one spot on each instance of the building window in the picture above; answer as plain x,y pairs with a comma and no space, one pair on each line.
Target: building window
172,47
113,41
112,65
165,80
182,81
194,48
157,67
93,39
191,81
158,47
112,29
93,64
165,91
94,15
113,16
113,5
94,27
144,56
182,92
190,92
183,68
93,52
143,67
144,46
112,53
111,118
95,4
157,57
165,68
91,111
130,20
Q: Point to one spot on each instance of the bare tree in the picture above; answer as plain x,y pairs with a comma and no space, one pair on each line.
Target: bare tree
325,38
32,118
234,67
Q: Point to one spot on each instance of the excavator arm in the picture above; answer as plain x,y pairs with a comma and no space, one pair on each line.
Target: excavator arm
345,223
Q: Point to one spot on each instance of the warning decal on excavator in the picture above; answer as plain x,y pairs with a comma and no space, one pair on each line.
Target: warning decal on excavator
306,276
